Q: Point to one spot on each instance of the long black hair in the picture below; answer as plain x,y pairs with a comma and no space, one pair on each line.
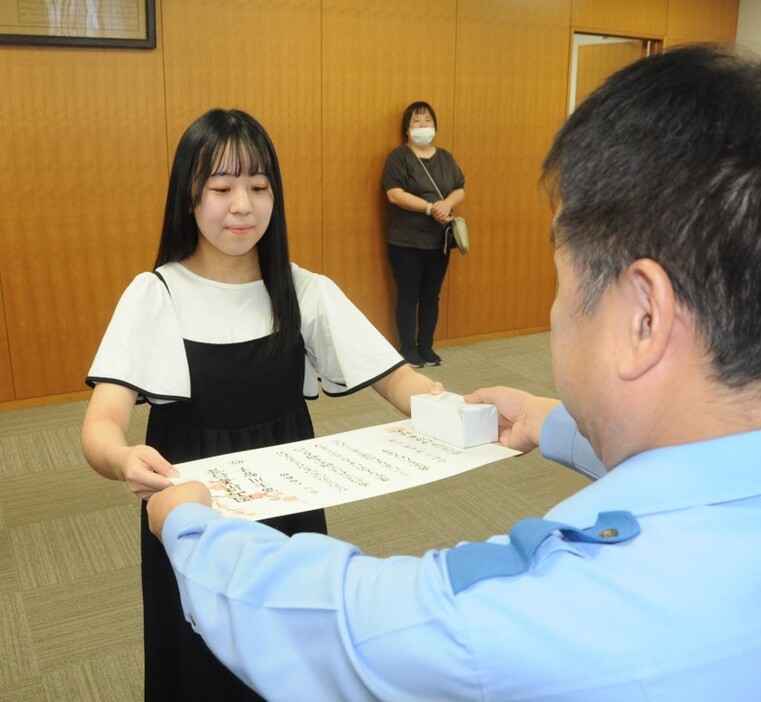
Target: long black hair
199,152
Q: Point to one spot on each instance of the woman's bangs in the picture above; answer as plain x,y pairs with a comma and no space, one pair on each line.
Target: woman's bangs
239,157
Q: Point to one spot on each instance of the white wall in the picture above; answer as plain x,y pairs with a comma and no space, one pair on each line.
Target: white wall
749,25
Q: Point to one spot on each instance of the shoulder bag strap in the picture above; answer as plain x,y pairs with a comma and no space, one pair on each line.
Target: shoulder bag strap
426,172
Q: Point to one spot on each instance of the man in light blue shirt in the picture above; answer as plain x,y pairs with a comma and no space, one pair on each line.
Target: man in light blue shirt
643,586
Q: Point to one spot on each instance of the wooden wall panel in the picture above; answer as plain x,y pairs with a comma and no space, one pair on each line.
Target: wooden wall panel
6,371
82,181
262,57
644,18
511,82
89,134
701,20
597,62
375,63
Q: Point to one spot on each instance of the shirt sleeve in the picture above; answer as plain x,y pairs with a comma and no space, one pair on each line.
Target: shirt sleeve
561,442
344,350
395,172
457,174
310,613
143,347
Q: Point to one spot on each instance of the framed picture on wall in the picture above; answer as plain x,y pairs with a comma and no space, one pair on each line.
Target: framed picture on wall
124,24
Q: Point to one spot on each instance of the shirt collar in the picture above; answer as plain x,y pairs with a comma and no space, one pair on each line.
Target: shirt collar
675,477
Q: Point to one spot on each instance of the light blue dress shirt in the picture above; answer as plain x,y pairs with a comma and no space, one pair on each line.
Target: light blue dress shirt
561,442
672,615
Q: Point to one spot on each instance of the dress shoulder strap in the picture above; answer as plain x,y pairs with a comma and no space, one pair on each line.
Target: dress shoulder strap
161,278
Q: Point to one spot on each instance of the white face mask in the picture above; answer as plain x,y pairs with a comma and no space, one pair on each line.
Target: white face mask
422,136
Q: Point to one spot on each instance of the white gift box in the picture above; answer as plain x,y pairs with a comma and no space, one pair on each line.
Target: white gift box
449,418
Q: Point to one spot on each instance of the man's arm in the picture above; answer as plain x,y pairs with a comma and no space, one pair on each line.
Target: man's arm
561,442
527,421
162,503
311,617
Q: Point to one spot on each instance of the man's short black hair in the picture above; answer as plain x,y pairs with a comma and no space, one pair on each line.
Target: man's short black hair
663,161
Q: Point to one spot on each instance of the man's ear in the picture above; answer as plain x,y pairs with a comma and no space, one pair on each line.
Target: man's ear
650,308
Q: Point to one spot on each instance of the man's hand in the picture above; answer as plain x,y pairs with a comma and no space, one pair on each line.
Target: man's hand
162,503
521,415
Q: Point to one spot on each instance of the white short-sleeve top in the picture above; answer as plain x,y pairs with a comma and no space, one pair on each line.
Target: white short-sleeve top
143,346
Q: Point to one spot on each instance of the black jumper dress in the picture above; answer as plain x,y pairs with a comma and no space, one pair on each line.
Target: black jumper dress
242,398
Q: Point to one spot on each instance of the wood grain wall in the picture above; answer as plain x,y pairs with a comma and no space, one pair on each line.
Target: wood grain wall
377,58
88,135
510,92
82,178
598,61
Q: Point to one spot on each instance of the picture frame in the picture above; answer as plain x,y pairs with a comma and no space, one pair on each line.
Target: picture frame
121,24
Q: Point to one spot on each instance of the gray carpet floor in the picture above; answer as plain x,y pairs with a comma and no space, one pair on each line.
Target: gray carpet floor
70,609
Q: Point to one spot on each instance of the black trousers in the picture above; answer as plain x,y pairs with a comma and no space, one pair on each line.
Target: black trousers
419,275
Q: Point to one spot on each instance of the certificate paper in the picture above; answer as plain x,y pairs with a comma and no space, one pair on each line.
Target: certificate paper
331,470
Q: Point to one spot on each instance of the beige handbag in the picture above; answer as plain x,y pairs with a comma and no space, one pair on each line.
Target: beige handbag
459,228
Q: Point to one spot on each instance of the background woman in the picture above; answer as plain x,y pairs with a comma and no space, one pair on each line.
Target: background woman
417,220
224,339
